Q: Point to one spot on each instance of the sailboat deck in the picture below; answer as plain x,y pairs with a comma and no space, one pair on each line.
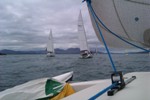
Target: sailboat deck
136,90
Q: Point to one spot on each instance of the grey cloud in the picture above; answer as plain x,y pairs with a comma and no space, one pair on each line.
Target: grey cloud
26,23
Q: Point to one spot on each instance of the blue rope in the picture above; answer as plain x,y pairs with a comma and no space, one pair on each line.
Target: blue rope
113,66
115,33
103,91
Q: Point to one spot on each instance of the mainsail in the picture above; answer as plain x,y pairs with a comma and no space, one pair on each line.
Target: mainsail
82,34
127,18
50,46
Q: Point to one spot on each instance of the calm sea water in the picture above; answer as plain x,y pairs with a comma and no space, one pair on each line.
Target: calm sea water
17,69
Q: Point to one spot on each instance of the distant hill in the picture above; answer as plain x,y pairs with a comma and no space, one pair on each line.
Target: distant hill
2,54
62,51
57,51
68,51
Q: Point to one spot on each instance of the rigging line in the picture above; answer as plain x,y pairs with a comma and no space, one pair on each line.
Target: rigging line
138,2
116,34
133,40
120,19
94,17
103,91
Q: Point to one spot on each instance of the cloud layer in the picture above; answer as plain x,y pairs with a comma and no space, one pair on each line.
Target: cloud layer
25,24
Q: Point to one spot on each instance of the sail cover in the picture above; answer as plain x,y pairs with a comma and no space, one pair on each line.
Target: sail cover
127,18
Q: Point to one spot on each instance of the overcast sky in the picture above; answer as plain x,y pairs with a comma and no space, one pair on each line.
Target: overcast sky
25,24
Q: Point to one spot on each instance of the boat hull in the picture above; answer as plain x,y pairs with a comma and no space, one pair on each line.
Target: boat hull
50,55
86,56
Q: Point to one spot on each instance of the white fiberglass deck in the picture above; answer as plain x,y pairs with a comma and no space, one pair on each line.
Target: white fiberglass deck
139,89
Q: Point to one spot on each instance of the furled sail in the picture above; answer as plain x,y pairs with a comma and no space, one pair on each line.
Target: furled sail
127,18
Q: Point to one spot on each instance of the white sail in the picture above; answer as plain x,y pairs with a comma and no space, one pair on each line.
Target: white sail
82,34
128,18
50,46
84,50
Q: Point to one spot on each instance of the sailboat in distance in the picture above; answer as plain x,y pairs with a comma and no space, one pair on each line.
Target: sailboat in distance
120,16
50,46
84,50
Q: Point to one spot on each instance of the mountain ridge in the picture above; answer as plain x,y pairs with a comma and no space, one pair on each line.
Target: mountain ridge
57,51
